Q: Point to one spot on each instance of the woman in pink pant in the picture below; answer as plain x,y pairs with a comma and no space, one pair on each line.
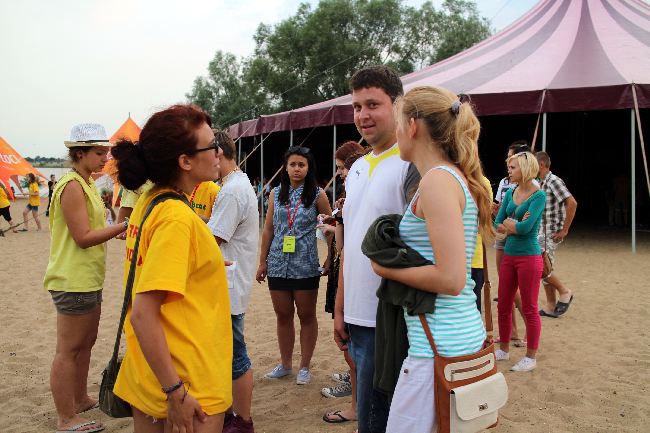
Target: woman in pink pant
519,218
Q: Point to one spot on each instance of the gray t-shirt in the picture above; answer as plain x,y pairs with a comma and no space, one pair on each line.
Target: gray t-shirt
235,219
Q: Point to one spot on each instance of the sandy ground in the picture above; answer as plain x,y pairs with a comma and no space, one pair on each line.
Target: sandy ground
593,369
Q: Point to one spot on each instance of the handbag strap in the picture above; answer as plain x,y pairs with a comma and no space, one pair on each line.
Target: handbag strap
487,297
487,308
129,280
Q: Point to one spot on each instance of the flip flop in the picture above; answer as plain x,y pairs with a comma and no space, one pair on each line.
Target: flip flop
94,406
562,307
94,427
340,418
545,314
22,230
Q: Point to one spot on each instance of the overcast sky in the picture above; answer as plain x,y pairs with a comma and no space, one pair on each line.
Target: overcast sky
73,61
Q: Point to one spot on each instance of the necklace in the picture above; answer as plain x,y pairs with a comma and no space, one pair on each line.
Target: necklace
223,179
80,175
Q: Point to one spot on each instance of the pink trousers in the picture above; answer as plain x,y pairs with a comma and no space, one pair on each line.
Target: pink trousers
524,272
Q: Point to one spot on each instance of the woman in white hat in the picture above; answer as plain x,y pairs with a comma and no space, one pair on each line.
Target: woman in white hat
75,274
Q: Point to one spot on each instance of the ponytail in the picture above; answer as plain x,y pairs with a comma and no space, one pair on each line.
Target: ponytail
454,128
130,163
467,130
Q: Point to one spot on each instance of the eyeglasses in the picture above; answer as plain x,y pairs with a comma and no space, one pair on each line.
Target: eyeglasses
298,149
214,145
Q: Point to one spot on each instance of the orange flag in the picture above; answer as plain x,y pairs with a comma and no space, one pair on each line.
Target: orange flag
12,166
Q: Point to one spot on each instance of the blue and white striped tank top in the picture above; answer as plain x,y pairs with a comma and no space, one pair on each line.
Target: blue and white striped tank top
456,322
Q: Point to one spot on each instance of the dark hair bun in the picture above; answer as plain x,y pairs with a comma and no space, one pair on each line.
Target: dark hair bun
131,165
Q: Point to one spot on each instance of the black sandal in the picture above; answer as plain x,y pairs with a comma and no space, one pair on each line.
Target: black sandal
562,307
545,314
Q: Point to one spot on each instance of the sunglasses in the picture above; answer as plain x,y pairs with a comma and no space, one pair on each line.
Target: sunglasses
300,150
214,145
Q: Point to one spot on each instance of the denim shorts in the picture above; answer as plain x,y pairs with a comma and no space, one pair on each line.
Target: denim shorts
241,363
32,208
76,303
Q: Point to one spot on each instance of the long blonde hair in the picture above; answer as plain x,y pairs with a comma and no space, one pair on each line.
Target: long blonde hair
454,128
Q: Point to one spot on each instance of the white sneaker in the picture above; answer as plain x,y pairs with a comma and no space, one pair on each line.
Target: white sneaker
501,355
524,364
304,376
278,372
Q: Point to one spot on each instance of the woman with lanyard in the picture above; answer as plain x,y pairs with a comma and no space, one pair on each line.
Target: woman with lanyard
289,258
75,274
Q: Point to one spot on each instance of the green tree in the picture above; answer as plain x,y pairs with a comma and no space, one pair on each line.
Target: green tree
461,28
309,57
224,94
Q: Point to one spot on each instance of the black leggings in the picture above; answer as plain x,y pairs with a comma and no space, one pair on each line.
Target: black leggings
477,276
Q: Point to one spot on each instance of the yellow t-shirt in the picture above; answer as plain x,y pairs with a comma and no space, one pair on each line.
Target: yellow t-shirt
70,267
179,255
4,199
477,260
203,198
34,200
130,198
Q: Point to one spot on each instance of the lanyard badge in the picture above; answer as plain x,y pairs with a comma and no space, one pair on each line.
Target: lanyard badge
289,241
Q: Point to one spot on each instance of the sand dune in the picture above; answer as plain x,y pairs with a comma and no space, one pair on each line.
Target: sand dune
593,371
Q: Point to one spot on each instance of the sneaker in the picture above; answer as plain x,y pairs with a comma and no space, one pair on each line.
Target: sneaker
238,425
304,376
278,372
341,377
524,364
341,390
501,355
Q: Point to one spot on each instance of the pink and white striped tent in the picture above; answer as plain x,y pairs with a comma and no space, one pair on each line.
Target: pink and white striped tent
563,55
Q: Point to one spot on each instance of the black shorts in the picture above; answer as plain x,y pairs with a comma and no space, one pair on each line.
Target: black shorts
4,212
311,283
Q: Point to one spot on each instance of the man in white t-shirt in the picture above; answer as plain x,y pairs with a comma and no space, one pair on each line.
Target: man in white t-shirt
377,184
235,225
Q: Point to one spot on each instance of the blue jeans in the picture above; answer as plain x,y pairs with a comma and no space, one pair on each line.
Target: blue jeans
241,363
372,405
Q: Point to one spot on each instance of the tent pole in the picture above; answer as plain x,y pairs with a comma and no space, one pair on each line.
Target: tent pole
239,150
334,165
262,180
544,132
291,138
632,180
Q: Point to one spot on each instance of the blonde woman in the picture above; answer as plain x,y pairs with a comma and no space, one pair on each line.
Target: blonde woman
439,135
519,218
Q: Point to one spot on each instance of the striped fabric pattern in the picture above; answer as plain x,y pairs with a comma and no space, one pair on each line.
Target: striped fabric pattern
456,323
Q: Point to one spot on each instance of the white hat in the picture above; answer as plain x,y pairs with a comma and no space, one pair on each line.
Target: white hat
88,134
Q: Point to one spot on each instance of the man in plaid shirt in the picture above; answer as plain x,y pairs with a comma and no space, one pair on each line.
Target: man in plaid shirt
556,221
